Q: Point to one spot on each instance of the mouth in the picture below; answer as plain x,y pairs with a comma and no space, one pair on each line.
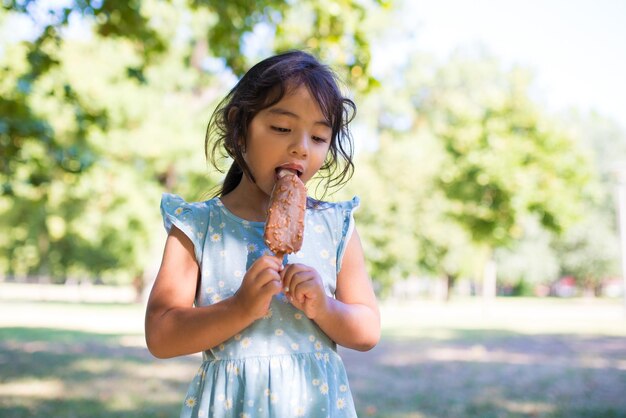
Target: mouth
286,170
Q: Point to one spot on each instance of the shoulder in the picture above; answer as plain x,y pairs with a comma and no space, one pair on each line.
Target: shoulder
342,207
190,217
335,217
176,205
334,212
175,210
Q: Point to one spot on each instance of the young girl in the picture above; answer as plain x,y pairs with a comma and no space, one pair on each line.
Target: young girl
268,328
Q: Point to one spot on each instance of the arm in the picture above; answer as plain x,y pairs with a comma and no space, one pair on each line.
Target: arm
352,319
174,327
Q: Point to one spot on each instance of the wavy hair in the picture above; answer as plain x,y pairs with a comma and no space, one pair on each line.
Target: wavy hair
264,85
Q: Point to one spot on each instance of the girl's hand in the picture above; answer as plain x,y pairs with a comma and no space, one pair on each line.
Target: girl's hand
305,289
260,283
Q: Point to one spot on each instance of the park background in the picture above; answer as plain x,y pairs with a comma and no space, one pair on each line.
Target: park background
489,144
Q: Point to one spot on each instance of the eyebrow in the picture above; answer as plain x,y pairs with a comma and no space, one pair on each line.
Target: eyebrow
285,112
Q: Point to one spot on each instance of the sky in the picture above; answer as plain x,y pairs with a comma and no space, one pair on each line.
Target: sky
576,49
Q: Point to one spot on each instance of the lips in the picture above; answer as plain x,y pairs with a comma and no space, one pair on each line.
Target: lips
286,169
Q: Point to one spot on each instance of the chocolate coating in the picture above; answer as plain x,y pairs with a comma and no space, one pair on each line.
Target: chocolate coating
284,228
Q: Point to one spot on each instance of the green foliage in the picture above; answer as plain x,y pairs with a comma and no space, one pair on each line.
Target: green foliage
530,259
459,160
589,251
335,31
105,108
503,158
464,158
58,187
522,288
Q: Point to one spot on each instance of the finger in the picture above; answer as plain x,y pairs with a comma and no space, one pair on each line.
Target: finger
301,285
288,273
278,257
271,288
266,276
285,276
262,263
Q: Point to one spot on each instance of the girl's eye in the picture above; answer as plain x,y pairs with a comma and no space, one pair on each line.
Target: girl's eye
281,130
319,139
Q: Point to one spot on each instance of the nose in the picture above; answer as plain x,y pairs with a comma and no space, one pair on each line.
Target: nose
300,146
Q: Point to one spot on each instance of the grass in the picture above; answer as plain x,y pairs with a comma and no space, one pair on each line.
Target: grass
510,358
84,360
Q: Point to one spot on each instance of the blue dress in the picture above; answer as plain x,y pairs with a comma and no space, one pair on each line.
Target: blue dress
282,365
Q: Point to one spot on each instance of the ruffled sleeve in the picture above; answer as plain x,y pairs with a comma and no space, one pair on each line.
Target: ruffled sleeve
190,218
346,219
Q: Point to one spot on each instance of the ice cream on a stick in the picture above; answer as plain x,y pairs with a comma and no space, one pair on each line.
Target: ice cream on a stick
284,227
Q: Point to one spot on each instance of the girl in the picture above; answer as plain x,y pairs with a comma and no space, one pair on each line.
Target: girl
268,330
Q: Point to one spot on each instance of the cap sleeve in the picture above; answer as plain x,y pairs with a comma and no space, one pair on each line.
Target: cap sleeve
190,218
346,214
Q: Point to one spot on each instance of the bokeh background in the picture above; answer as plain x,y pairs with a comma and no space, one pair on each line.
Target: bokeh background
490,157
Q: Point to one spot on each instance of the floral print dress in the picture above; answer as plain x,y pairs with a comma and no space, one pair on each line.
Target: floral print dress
282,365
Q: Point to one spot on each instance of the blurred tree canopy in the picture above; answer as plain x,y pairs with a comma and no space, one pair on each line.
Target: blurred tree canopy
100,108
102,101
467,163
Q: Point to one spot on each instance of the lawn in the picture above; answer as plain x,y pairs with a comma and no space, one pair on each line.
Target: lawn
510,358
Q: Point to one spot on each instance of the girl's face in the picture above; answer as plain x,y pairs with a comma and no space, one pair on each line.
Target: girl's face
291,134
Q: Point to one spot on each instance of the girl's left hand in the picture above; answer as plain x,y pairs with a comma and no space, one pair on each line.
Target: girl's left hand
305,290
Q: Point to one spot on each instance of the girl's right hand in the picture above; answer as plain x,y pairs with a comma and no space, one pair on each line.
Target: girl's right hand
260,283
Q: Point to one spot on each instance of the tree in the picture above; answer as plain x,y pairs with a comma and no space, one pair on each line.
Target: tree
463,158
589,251
529,261
97,120
402,219
503,158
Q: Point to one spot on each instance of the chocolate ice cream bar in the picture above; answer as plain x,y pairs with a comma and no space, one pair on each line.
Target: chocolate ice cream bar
284,228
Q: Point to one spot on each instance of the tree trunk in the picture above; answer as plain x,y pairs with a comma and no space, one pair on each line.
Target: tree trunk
138,286
450,280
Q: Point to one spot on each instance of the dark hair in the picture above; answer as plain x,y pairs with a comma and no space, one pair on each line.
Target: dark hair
264,85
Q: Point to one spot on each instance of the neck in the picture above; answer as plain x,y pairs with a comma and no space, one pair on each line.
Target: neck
247,201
